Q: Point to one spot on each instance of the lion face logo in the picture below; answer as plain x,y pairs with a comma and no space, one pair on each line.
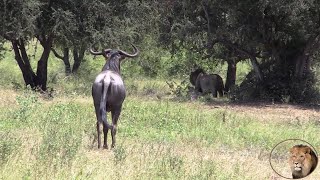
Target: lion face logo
302,161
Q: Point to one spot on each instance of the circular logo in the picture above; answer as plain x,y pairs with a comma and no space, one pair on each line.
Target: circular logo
293,159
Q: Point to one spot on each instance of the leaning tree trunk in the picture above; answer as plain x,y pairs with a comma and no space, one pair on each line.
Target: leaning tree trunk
303,62
23,62
78,54
303,66
42,69
65,59
231,74
256,68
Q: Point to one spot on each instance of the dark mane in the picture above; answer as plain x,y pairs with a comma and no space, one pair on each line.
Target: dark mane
194,75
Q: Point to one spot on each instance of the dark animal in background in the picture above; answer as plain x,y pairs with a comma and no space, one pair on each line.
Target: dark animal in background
207,83
108,92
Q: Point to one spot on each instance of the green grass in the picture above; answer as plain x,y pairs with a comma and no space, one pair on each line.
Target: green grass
157,139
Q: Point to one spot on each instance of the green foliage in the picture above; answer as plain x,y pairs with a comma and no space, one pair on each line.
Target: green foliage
278,33
278,87
18,18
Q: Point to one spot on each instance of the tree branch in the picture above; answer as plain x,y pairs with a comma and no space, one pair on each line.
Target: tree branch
56,54
252,57
41,39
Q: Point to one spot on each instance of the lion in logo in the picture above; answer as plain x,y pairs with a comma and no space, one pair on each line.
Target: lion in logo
302,161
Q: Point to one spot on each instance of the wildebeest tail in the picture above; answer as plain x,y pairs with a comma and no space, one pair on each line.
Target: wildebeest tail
103,101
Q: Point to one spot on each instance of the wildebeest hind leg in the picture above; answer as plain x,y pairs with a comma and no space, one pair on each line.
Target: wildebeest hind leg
99,137
115,117
105,136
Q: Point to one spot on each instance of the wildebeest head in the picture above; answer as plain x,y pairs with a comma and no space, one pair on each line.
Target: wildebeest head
114,56
195,74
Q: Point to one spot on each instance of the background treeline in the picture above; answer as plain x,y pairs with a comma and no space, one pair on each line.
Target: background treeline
279,40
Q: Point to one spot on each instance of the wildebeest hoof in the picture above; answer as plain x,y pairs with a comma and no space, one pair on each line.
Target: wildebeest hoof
105,147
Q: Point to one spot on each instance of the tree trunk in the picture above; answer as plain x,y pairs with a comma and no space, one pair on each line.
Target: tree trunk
300,66
303,61
256,68
24,63
42,69
66,61
78,58
231,74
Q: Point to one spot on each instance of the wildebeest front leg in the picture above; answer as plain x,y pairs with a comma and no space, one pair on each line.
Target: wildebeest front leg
115,117
105,136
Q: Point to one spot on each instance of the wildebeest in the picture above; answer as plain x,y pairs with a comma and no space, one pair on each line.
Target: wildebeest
207,83
108,91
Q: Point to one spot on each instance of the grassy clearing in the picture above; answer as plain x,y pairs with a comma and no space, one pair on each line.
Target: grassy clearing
157,139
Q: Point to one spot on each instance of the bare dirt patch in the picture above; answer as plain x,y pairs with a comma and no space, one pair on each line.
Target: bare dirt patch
7,97
272,112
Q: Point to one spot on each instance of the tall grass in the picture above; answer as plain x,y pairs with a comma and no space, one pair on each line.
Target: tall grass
157,139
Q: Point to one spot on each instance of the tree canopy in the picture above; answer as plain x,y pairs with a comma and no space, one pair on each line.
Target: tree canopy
279,38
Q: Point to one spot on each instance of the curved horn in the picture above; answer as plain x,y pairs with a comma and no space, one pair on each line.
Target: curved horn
136,52
95,52
106,51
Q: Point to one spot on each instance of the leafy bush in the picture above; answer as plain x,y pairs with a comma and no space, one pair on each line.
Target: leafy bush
180,90
27,104
278,87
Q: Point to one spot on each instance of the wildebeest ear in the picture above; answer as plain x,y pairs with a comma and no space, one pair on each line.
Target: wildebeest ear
122,58
106,55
